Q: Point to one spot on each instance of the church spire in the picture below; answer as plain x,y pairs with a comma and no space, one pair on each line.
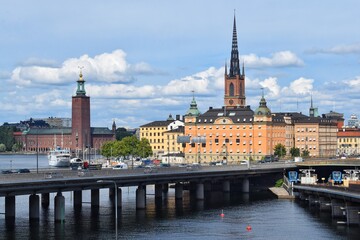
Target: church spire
225,68
80,84
234,61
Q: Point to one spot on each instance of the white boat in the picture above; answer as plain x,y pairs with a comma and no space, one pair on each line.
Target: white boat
59,157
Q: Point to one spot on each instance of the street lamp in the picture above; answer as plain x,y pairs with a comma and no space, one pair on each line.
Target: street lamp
116,204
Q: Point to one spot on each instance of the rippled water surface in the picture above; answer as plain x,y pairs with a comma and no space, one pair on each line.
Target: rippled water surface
268,217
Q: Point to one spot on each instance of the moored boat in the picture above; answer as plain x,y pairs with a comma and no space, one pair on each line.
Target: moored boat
59,157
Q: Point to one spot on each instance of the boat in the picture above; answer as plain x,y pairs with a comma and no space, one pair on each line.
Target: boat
59,157
75,163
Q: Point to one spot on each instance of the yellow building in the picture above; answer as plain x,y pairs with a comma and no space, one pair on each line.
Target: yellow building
162,135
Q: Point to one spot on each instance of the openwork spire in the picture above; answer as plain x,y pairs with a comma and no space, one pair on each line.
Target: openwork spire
234,61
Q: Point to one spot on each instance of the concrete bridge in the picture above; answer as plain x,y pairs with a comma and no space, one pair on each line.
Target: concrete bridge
343,203
225,178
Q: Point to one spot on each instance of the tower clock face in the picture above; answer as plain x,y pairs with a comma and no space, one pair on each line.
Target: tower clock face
231,102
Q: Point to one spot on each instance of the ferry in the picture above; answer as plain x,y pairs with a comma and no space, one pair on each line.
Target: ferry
59,157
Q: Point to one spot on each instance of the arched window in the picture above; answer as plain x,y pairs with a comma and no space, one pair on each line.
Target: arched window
231,89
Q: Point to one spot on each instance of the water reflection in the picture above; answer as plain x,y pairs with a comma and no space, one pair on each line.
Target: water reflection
168,217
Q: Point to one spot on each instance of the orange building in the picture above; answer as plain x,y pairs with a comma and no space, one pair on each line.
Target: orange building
235,132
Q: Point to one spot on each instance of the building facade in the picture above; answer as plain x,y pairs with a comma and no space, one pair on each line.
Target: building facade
162,135
348,141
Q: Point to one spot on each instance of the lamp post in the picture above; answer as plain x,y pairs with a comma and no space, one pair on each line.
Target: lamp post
37,151
116,204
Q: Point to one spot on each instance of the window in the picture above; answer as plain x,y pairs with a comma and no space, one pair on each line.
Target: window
216,140
231,89
237,140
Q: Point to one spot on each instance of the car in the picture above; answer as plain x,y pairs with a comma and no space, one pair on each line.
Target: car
164,164
6,171
120,166
193,167
23,170
244,162
150,169
182,165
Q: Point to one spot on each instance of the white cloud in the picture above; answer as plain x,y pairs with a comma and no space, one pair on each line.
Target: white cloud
302,86
354,83
121,91
202,82
278,59
340,49
107,67
271,84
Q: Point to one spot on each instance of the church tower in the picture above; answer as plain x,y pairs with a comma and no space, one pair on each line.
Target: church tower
234,80
81,134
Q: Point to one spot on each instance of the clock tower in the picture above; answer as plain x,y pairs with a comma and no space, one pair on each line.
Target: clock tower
234,80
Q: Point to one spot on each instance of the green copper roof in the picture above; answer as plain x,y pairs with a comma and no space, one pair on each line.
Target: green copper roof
262,109
193,110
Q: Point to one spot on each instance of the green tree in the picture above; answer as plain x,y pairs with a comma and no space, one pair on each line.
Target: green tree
2,147
295,152
279,150
7,137
107,148
121,132
305,153
144,149
16,147
130,146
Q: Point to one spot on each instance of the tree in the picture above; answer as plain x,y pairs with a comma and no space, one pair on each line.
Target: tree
280,150
121,132
2,147
305,153
130,146
295,152
144,148
106,149
16,147
7,137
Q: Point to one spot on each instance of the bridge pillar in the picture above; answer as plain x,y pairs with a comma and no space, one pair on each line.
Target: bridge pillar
245,185
95,197
77,198
119,198
59,207
352,215
158,190
34,207
199,191
112,192
312,200
207,186
178,191
165,188
324,204
226,186
140,198
10,208
337,208
45,200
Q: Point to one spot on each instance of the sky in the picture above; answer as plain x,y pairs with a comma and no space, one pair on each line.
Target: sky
142,59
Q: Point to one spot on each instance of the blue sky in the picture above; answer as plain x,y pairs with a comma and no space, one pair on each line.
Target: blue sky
142,59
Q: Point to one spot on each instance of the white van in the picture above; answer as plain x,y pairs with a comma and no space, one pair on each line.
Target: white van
298,159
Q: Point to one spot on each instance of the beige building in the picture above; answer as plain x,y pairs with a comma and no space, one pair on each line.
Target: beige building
348,142
162,135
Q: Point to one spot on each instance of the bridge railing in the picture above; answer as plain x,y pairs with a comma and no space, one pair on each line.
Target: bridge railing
287,185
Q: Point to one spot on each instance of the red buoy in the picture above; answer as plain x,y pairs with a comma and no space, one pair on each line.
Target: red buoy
248,228
222,214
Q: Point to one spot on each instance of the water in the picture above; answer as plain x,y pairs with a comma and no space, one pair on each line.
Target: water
9,161
268,217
